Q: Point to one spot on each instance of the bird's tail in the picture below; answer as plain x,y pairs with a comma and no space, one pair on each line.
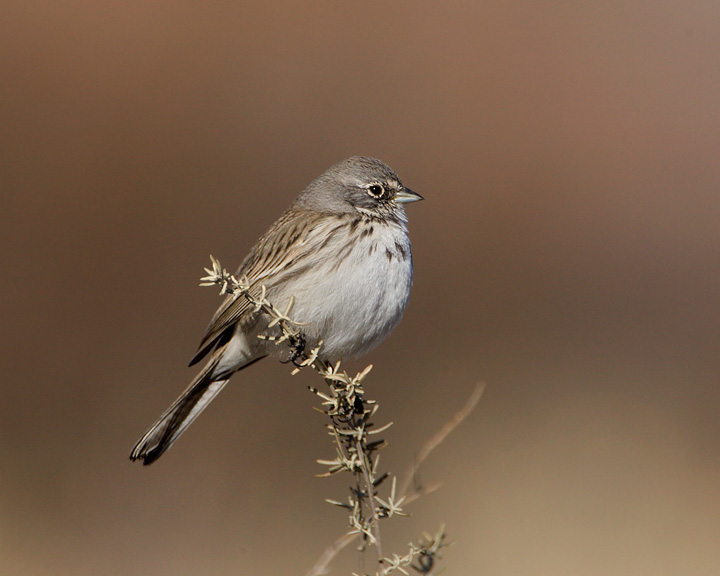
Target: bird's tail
179,416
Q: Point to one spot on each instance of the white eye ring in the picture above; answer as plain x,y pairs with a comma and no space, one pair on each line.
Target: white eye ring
376,190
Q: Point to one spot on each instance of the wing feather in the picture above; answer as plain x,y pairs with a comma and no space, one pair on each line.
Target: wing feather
280,253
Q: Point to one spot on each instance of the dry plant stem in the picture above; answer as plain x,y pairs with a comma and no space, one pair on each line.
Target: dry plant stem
441,434
322,566
370,488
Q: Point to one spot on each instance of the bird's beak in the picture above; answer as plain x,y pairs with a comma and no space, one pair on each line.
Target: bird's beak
406,195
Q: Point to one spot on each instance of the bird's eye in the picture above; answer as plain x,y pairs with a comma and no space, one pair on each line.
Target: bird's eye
376,190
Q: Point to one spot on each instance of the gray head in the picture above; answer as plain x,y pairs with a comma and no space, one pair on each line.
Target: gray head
358,184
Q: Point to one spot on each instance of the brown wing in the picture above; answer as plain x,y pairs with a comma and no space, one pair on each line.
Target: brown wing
280,249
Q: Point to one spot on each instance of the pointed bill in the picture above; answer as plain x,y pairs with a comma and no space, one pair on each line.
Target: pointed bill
406,195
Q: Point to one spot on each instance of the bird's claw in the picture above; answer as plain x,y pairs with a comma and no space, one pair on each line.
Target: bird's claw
298,352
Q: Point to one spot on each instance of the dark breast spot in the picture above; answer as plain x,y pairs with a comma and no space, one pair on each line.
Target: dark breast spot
367,231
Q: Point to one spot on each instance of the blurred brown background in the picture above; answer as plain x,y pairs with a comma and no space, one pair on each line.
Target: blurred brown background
567,254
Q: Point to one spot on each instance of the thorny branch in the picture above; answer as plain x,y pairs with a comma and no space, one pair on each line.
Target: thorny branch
354,435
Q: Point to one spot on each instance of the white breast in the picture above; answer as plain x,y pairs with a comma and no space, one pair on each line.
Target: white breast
356,295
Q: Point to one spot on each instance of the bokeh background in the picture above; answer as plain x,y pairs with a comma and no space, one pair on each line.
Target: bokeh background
567,254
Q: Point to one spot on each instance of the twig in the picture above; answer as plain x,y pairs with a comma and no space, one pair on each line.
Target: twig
441,434
322,566
370,487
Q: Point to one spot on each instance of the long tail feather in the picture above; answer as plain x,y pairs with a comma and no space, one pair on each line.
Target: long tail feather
179,416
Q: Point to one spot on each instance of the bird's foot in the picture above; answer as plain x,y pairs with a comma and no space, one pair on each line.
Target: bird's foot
298,352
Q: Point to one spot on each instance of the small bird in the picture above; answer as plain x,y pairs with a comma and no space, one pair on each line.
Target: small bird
341,252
